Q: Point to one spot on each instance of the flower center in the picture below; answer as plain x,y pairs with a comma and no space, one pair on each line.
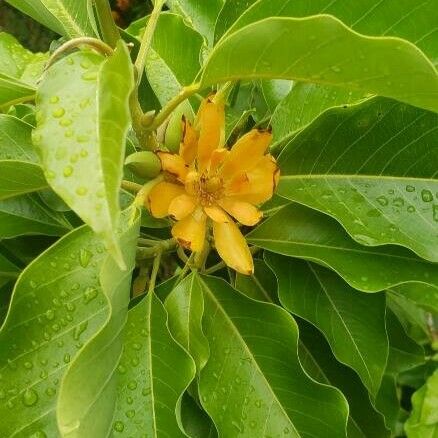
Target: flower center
207,188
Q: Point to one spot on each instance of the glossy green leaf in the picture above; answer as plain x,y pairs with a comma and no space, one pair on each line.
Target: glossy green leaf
174,60
202,15
26,214
153,373
299,231
423,422
57,305
14,91
262,285
321,49
421,294
8,271
13,56
83,100
371,166
88,393
317,359
253,384
196,422
229,13
352,322
19,169
303,104
185,305
66,17
404,352
411,20
274,91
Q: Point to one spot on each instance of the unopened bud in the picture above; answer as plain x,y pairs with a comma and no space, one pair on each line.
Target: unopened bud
144,164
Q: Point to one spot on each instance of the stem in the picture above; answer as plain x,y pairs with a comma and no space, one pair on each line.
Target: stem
94,43
154,272
152,251
131,186
108,28
222,94
162,116
147,39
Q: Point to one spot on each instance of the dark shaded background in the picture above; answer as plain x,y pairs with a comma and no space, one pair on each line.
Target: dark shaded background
37,38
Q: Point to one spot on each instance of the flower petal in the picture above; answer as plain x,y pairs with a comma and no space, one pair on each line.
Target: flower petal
246,153
216,214
258,185
161,196
190,231
232,247
218,156
189,145
174,164
210,124
243,212
182,206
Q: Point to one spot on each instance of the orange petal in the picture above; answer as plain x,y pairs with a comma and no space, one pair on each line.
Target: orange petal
189,145
161,196
182,206
258,185
232,247
174,164
216,214
218,156
247,151
243,212
210,123
190,231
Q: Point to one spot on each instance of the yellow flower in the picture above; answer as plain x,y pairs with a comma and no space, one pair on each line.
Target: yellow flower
208,184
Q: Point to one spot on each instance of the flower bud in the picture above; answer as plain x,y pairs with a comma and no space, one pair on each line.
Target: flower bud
144,164
173,134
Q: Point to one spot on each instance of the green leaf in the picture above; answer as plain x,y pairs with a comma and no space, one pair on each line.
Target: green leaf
303,104
14,91
411,20
19,169
388,403
13,56
352,322
274,91
83,100
421,294
88,393
230,12
8,270
253,384
200,14
404,352
298,231
153,373
372,167
185,306
423,422
317,359
174,60
321,49
66,17
196,423
26,214
57,305
262,285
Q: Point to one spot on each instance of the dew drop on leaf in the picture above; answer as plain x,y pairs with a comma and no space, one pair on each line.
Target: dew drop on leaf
426,195
410,188
90,294
30,397
84,257
119,426
382,200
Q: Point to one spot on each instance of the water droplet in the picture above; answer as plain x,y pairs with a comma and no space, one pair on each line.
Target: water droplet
50,314
84,153
258,403
119,426
252,424
132,385
81,191
85,64
130,413
79,329
435,212
28,365
410,188
90,294
84,103
382,200
67,358
336,69
146,391
54,99
68,133
70,61
30,397
65,122
82,138
89,76
136,346
68,171
84,257
33,284
398,202
121,369
411,209
58,113
426,195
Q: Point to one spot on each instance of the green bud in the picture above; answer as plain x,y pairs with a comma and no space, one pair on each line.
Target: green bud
144,164
173,134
